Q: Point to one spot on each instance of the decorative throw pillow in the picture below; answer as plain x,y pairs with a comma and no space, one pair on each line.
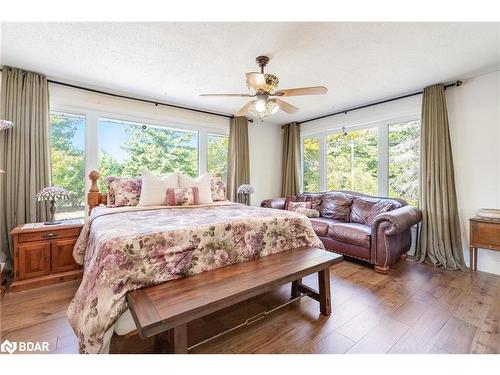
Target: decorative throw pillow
153,188
183,196
293,198
309,212
123,191
218,188
292,206
202,183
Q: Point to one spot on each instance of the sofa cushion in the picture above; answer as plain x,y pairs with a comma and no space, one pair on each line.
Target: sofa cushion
322,224
336,205
352,233
361,208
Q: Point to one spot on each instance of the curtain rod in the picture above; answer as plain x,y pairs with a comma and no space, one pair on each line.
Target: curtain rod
345,111
156,103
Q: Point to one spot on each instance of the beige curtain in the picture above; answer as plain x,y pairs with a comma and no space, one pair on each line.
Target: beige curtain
439,239
290,171
24,151
238,169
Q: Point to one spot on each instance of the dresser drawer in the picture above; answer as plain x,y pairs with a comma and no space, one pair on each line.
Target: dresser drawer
485,233
48,235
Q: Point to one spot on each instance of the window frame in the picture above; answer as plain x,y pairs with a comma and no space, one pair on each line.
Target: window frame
93,115
83,116
383,148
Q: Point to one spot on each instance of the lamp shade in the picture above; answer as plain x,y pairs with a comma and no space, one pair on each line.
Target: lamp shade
6,124
52,193
246,189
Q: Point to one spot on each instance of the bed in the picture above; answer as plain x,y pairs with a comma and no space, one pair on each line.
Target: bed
127,248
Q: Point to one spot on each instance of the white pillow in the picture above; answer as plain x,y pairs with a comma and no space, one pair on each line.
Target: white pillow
154,189
202,183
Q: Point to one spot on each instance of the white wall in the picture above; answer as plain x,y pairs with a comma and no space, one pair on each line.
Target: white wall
265,160
474,116
473,111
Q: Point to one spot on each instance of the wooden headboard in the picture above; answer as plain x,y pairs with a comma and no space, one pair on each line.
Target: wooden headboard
94,197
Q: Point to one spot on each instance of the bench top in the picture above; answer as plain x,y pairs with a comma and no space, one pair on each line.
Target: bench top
167,305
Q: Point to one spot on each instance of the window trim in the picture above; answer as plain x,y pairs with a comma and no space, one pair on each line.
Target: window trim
382,126
76,114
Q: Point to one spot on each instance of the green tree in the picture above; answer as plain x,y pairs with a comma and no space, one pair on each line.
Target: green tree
108,166
352,161
311,165
160,150
404,149
68,162
217,155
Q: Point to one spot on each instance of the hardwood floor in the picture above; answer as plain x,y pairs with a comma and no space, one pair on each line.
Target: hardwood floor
414,309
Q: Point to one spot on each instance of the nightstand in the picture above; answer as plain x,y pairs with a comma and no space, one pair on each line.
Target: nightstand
484,233
43,254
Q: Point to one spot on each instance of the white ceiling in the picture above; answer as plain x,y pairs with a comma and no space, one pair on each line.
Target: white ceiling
174,62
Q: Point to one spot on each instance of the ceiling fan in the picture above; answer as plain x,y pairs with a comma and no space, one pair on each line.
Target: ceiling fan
264,88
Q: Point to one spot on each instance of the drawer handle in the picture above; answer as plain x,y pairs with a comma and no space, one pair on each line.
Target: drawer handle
48,236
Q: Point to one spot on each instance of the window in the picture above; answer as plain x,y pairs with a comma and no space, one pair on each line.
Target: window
126,148
382,159
67,156
217,148
352,160
404,145
310,164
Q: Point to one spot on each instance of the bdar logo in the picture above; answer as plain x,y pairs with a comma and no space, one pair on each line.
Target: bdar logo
9,347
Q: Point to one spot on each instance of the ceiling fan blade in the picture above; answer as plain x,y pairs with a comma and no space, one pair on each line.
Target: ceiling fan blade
256,80
315,90
284,106
243,109
239,95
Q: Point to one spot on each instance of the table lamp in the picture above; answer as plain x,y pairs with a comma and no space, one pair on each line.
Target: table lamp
243,194
51,194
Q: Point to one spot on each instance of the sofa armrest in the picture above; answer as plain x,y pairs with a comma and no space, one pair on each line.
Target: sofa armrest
400,219
277,203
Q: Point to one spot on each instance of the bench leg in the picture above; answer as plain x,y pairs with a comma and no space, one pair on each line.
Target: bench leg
295,288
173,341
325,305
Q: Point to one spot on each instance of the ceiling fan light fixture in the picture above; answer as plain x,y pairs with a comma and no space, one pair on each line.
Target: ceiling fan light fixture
272,83
270,108
260,103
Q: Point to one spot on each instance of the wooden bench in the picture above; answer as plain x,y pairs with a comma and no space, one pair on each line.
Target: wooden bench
164,310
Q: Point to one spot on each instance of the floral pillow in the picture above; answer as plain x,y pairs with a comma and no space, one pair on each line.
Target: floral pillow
183,196
292,206
309,212
218,188
123,191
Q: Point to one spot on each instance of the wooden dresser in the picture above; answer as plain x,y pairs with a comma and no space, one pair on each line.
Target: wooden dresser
43,254
485,234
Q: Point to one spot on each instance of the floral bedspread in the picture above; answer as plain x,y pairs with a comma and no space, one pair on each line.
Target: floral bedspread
132,249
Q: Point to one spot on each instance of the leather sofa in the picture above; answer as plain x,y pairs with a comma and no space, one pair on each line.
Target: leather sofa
374,229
